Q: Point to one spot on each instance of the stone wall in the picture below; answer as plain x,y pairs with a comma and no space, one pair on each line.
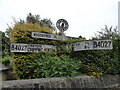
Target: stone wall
83,82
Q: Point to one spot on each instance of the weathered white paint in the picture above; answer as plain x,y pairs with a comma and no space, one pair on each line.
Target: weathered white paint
18,47
84,45
48,36
79,46
93,45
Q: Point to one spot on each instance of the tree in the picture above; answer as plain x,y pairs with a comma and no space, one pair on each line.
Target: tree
32,19
35,19
47,23
107,33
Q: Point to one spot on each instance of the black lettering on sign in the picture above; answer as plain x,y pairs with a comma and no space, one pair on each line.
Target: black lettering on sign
105,43
109,43
16,47
94,44
12,47
22,47
35,34
101,44
86,45
19,47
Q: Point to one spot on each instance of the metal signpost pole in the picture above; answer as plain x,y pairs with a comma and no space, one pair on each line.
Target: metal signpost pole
62,30
62,34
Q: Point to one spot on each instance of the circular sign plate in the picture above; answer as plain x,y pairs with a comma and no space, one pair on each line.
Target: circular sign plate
62,25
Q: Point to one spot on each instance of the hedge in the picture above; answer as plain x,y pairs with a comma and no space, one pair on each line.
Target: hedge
63,62
23,65
105,61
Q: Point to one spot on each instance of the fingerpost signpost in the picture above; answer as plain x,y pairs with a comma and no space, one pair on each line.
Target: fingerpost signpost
62,25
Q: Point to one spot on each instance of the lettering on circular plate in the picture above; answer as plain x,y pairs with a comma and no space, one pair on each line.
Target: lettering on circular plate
62,25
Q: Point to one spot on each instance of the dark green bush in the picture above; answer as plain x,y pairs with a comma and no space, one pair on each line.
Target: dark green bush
23,65
105,61
55,64
63,62
49,66
45,64
91,70
6,60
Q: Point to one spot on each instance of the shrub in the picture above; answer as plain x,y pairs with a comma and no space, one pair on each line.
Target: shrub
107,61
63,62
91,70
21,33
6,60
43,65
49,66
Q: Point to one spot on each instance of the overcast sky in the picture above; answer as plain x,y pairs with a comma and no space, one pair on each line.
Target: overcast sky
85,17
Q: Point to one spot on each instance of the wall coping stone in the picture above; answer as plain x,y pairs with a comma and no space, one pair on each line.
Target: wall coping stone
107,81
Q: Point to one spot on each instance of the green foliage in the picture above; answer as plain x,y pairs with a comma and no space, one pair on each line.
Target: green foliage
64,62
74,41
22,67
6,60
35,19
108,33
21,33
103,61
49,66
91,70
22,64
55,64
44,64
